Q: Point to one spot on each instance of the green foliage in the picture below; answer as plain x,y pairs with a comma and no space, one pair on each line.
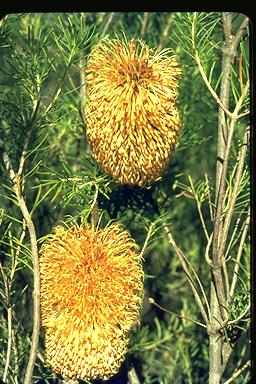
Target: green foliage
199,30
42,130
77,189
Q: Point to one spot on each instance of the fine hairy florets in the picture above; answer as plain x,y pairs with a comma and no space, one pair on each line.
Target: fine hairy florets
92,291
132,120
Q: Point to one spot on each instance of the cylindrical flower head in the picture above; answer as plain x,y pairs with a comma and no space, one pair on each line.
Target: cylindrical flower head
132,120
92,290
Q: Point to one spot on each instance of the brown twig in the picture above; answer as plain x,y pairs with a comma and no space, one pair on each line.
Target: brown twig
95,211
241,72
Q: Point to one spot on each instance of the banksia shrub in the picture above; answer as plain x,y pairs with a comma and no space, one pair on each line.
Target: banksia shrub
92,289
132,120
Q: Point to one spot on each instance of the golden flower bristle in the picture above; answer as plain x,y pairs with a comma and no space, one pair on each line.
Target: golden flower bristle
91,293
132,120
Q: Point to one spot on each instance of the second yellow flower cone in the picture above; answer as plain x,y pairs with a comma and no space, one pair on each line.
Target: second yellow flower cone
132,119
92,291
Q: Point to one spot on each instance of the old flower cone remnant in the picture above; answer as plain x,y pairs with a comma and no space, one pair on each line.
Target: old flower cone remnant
132,120
92,290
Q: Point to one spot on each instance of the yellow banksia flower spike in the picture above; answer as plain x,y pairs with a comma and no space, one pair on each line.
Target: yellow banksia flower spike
91,294
132,118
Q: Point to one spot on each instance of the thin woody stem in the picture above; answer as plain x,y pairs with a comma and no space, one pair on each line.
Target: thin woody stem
9,323
108,22
15,178
95,208
239,254
238,372
219,350
58,89
217,258
198,203
146,240
222,104
237,182
9,343
7,286
236,233
240,317
213,93
229,51
221,195
152,301
36,273
180,256
144,23
227,57
25,148
166,31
